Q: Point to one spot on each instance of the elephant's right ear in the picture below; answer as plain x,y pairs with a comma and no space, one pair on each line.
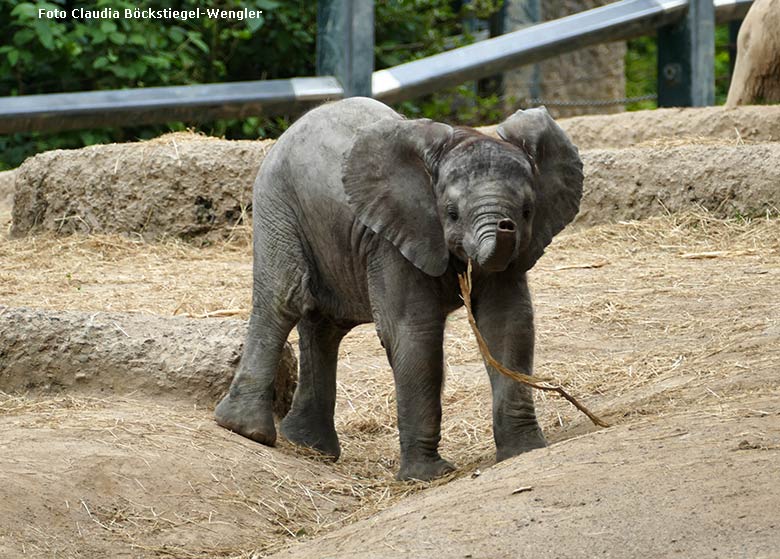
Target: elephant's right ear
387,179
558,184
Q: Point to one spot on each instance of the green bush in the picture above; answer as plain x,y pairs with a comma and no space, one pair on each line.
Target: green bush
61,55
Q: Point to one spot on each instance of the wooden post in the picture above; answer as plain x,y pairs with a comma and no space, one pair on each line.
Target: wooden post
686,58
494,84
345,43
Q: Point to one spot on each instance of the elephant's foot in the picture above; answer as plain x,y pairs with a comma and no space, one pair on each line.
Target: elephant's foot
253,420
521,442
424,470
317,434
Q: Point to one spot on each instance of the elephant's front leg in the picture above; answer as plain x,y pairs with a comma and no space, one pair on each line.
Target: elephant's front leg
411,326
417,361
504,316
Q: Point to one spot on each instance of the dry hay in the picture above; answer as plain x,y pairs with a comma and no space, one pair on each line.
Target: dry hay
527,378
117,273
666,142
175,138
639,318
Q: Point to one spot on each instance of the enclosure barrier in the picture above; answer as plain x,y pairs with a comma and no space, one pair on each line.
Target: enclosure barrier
686,66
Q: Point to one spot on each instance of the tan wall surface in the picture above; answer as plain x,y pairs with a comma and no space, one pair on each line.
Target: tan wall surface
595,73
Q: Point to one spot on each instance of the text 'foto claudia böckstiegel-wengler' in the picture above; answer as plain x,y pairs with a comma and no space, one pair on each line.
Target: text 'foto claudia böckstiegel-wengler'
149,13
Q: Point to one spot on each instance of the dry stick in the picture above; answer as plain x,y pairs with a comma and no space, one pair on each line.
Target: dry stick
533,382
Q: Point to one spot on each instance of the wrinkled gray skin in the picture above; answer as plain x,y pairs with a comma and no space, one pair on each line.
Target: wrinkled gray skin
363,216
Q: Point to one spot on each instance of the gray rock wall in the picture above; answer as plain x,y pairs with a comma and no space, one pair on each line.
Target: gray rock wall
593,73
180,185
118,353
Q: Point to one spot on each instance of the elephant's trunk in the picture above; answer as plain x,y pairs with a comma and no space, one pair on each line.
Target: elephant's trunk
497,251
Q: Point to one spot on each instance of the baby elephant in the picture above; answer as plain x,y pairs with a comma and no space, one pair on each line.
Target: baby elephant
361,215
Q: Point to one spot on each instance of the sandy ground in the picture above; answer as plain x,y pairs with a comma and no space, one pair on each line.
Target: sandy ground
692,484
668,327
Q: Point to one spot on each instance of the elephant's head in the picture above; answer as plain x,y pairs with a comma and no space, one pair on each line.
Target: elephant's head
435,191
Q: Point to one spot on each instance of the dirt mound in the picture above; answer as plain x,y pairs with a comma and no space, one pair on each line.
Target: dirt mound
637,183
111,477
700,484
748,124
181,185
115,353
742,124
198,188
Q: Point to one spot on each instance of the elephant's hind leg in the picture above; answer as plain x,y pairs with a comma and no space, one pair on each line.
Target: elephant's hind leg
247,408
310,421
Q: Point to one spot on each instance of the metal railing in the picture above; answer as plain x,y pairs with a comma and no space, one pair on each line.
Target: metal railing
614,22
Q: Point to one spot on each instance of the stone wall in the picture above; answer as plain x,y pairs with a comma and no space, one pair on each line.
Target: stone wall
96,353
595,73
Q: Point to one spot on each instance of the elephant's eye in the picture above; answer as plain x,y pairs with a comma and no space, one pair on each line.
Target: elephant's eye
452,213
527,211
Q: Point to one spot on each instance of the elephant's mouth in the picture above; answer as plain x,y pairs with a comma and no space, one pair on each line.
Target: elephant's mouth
459,251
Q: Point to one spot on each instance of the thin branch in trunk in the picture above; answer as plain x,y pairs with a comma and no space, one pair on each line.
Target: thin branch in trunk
532,381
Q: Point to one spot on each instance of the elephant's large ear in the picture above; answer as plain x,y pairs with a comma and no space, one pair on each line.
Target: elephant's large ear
387,179
558,170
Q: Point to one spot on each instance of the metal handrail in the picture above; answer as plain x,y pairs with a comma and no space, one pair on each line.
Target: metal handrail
617,21
613,22
118,107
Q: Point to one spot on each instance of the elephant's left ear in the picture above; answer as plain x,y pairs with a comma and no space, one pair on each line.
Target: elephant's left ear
387,179
558,183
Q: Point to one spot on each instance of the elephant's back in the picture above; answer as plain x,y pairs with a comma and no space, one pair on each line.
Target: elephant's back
309,155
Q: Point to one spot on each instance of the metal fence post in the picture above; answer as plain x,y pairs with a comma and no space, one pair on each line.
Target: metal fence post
345,43
523,82
686,58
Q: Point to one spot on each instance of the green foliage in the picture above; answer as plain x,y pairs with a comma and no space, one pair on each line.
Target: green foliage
413,29
641,71
722,64
60,55
407,31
